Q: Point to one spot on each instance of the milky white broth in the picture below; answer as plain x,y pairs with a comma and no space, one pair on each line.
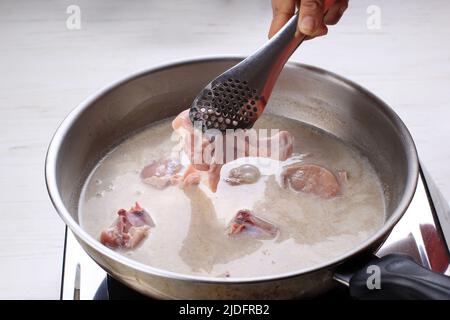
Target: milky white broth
190,236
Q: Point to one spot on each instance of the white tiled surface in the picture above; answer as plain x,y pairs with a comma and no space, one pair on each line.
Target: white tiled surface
47,69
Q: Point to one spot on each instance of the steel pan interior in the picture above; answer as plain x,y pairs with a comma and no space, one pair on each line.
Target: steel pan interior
305,93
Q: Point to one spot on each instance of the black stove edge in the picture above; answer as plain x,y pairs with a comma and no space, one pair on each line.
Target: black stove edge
439,206
61,297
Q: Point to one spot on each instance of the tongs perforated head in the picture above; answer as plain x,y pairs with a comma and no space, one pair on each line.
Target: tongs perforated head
226,103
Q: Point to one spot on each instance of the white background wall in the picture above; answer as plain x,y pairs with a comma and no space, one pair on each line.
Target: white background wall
47,69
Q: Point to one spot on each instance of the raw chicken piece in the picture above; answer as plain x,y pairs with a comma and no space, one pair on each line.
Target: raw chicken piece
214,176
311,178
160,174
129,229
206,233
199,159
282,143
246,221
183,126
244,174
190,177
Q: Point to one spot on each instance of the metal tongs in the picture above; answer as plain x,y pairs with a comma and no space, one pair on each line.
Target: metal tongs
236,98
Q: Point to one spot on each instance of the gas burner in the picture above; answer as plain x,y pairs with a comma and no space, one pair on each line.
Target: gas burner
423,233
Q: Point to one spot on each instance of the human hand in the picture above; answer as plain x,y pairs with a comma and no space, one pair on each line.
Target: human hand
311,21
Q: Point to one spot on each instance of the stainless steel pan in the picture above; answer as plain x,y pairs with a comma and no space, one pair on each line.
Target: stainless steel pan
303,92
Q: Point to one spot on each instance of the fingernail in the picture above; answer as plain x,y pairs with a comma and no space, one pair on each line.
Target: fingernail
308,25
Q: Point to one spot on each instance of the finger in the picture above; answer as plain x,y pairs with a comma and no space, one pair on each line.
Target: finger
336,11
311,16
282,10
321,31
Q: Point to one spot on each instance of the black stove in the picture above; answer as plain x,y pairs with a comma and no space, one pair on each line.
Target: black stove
423,233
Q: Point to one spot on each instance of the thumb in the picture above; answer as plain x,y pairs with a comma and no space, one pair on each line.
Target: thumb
311,16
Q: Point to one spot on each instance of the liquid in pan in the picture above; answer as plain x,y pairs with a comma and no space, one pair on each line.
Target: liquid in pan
253,217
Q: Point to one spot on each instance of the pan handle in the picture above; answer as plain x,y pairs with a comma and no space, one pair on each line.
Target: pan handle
397,276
